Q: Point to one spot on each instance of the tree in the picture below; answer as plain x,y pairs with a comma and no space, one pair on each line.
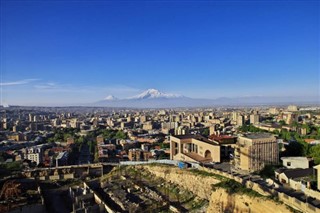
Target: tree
120,135
294,149
205,132
282,122
314,152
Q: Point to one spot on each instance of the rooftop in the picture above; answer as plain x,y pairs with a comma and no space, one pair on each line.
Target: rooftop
296,173
223,139
297,158
197,137
257,135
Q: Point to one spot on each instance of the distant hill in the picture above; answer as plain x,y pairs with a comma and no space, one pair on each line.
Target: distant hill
153,98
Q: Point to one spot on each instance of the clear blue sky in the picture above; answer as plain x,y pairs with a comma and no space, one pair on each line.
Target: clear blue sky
83,51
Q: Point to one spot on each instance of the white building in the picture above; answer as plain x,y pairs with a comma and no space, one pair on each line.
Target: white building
35,157
297,162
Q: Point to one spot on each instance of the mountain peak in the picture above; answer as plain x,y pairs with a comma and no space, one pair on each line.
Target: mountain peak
110,98
154,93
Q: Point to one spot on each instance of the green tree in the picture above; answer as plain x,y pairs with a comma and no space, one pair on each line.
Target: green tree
282,122
294,149
205,132
314,152
120,135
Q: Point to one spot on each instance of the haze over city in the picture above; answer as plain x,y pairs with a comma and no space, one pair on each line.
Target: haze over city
62,53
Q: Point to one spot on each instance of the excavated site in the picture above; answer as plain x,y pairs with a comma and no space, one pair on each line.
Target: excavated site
136,189
163,188
140,188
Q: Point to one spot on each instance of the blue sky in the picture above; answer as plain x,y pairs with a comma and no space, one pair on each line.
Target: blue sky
62,52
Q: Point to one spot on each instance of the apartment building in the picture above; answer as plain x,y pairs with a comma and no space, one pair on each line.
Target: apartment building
255,150
254,118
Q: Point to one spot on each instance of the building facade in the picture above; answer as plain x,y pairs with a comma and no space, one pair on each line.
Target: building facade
194,148
255,150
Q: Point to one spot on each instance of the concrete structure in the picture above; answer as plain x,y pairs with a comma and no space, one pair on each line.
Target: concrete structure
318,175
194,148
255,150
297,162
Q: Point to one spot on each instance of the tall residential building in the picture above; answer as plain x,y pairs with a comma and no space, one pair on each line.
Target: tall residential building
254,118
273,111
240,120
255,150
292,108
235,116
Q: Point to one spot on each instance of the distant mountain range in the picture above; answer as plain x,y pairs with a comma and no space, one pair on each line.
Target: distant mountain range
153,98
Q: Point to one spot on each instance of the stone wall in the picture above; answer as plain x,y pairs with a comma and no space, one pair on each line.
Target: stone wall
197,184
223,202
220,200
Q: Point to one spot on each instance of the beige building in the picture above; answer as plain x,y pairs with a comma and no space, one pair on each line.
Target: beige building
273,111
240,120
181,130
147,126
194,148
255,150
292,108
318,175
254,118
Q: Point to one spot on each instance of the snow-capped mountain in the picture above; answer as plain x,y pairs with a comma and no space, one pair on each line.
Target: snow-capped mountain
153,98
153,93
110,98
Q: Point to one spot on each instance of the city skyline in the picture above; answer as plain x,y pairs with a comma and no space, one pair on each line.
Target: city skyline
81,52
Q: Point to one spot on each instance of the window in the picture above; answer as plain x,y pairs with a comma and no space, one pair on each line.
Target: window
288,163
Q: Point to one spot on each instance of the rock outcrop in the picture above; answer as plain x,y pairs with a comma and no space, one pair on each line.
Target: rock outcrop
220,200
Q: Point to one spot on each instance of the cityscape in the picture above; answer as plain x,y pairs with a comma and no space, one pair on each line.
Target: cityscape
159,106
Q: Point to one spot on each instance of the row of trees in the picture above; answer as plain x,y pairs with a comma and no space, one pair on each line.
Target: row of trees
61,135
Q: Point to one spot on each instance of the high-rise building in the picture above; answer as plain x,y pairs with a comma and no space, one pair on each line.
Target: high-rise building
292,108
235,116
240,120
255,150
254,118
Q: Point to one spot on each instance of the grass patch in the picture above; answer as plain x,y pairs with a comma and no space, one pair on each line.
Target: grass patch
159,165
197,204
233,187
207,174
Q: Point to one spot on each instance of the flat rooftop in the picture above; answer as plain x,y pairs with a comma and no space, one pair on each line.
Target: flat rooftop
197,137
257,135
